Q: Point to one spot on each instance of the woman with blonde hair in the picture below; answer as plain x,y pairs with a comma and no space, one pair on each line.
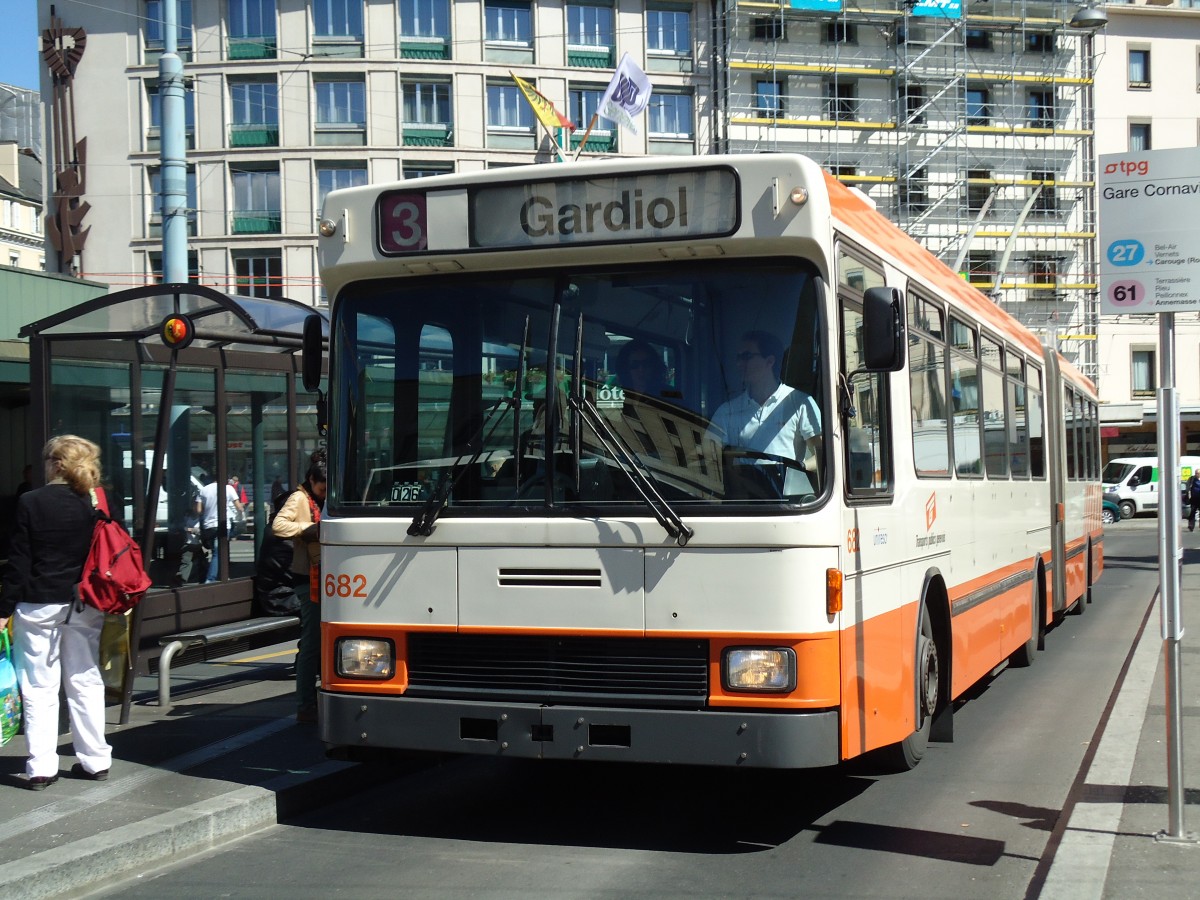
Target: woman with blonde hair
57,638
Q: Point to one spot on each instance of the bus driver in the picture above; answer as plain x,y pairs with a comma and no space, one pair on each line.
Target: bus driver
768,416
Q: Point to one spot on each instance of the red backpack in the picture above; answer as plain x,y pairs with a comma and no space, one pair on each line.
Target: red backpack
113,579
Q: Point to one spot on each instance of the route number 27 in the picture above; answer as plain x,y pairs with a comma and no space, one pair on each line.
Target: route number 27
1126,252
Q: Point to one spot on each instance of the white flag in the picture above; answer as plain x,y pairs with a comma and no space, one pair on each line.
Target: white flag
627,94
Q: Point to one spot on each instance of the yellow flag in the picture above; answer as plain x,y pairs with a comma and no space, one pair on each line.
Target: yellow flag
542,108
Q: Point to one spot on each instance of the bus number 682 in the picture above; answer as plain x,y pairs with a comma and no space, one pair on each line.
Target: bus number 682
344,585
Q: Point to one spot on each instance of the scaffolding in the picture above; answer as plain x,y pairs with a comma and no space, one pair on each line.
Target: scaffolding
972,131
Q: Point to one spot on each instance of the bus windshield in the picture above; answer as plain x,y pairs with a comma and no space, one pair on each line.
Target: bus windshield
543,392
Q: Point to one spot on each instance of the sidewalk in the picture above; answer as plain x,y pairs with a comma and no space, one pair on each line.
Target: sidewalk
223,761
1109,848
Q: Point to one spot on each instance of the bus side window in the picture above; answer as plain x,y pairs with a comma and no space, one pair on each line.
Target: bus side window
868,431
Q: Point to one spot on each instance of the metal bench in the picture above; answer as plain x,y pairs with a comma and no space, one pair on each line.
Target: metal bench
215,634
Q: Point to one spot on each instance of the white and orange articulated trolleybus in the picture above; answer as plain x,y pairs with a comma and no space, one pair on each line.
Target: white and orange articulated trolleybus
679,460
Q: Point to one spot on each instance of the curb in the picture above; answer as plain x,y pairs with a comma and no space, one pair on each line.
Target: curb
91,862
104,857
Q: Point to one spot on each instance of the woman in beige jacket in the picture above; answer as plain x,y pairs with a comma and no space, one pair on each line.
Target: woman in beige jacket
299,520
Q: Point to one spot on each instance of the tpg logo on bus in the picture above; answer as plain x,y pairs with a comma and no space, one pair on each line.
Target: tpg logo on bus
646,207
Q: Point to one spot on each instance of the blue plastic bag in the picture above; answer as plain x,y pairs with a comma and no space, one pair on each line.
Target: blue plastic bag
10,694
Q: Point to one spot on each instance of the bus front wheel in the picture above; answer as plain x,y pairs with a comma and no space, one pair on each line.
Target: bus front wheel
904,755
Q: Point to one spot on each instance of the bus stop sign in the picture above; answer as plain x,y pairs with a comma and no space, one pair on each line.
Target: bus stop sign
1149,250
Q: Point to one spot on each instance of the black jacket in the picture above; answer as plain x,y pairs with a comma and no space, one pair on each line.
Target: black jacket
49,547
274,582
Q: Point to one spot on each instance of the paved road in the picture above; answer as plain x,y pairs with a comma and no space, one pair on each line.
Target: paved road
982,817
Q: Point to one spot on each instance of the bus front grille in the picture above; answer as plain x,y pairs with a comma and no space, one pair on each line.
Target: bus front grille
545,669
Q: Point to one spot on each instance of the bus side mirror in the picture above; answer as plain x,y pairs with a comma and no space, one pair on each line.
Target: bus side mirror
883,329
311,353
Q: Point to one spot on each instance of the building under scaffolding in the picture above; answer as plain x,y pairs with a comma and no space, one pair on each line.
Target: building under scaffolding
971,127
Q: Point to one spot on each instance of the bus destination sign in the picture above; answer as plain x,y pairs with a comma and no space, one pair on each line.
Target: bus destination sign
650,206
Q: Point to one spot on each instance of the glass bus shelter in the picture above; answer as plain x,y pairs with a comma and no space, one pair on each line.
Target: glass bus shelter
229,404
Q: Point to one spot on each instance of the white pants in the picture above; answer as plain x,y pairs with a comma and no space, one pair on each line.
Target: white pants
48,648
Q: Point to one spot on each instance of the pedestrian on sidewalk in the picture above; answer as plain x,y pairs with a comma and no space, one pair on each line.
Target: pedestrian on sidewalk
299,521
1193,492
207,509
56,636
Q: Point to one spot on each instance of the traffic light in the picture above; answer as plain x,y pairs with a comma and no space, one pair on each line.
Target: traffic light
177,331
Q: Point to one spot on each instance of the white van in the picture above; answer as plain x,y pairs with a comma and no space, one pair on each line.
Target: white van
1134,481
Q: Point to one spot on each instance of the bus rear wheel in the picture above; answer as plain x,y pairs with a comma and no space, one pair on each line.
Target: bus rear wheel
906,754
1024,655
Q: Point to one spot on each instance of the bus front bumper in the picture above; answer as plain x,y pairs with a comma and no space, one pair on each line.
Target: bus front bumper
754,739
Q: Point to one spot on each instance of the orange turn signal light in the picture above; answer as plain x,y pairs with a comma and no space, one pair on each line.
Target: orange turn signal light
833,591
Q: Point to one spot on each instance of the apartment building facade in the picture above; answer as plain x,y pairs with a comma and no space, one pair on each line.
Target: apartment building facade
289,99
21,238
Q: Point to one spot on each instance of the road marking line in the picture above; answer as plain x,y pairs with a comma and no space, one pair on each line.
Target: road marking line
250,659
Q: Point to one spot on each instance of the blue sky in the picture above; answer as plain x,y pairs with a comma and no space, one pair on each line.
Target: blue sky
19,44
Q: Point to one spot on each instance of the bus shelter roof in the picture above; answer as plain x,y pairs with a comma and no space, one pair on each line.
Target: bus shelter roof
222,321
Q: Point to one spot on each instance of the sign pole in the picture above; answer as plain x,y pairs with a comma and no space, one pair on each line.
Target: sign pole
1170,561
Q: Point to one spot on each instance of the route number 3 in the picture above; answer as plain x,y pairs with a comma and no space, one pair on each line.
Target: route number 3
402,223
345,585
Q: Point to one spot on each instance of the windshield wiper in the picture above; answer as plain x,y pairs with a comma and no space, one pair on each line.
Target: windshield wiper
615,445
422,523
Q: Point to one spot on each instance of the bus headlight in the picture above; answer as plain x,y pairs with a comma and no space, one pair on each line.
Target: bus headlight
365,658
768,669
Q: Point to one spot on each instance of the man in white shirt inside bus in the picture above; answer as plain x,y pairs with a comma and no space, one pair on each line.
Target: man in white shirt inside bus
768,417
